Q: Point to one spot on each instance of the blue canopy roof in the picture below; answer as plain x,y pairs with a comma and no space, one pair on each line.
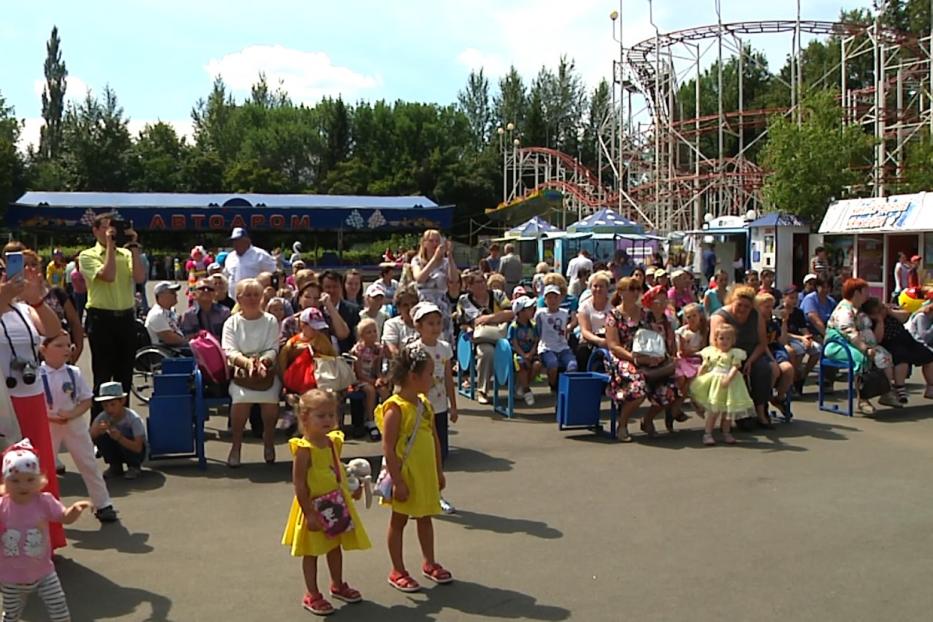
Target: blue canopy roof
606,221
533,228
221,212
778,219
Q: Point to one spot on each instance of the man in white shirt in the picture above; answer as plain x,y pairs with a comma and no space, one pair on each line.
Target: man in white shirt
510,266
162,321
582,260
246,261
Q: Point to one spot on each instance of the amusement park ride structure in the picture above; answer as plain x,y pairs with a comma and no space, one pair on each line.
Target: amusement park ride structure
652,168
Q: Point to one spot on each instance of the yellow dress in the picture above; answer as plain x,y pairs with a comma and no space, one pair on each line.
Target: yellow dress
420,468
321,480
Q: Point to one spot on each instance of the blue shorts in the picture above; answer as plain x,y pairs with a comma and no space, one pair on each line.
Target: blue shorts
559,360
800,349
780,354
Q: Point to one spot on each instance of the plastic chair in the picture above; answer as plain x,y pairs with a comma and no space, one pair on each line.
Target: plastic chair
579,398
466,360
503,374
848,366
599,356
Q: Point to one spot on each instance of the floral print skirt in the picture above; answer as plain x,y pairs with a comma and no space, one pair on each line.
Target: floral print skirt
627,384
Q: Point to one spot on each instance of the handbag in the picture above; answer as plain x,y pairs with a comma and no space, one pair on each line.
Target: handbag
331,509
873,383
333,373
649,343
490,333
241,378
661,372
383,486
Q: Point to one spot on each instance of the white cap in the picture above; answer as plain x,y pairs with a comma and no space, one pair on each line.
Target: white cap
422,309
313,317
375,289
522,302
166,286
20,458
678,273
552,289
810,277
237,233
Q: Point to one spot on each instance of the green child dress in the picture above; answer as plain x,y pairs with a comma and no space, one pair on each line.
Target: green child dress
419,469
707,389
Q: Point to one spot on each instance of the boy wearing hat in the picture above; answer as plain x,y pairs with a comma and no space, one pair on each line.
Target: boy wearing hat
119,433
523,335
554,324
374,297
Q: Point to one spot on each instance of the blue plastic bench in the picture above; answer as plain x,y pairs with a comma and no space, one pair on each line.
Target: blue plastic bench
503,374
466,365
848,365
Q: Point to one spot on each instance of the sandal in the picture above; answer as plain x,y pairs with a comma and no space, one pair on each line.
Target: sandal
649,429
403,582
374,434
728,438
708,440
624,436
269,455
317,604
435,572
345,593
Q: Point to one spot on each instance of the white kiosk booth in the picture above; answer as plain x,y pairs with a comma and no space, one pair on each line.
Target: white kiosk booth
780,242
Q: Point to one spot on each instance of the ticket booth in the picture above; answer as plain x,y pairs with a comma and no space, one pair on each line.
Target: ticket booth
780,242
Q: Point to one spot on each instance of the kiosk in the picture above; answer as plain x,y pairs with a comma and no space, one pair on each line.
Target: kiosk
867,234
780,242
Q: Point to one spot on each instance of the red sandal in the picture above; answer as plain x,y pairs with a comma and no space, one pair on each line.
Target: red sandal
403,582
437,573
317,604
345,593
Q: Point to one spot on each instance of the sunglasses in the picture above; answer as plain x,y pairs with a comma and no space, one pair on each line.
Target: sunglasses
204,288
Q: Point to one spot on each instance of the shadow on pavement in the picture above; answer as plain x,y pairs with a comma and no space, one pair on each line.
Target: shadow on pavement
463,460
897,415
502,524
256,472
113,536
95,597
480,600
71,483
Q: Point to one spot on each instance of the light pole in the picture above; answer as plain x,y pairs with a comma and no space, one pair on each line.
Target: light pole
515,143
503,146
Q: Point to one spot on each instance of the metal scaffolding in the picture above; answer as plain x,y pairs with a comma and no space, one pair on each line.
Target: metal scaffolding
652,142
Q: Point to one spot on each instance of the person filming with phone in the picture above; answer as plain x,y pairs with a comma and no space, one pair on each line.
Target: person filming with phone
112,268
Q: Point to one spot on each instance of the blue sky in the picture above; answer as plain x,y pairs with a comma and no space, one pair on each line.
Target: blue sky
161,56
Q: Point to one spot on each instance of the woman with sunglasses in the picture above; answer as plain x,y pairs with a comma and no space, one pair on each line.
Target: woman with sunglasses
24,319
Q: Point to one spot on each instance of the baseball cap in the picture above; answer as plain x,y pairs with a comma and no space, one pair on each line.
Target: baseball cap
651,270
522,302
809,277
518,291
659,273
375,289
676,273
166,286
422,309
313,317
915,258
237,233
552,289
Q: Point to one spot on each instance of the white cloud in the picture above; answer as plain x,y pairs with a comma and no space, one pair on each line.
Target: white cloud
305,76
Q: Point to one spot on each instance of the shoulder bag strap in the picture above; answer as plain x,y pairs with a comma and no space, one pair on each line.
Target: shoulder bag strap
414,432
337,469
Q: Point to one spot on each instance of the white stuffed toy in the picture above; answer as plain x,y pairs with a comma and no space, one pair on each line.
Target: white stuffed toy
359,473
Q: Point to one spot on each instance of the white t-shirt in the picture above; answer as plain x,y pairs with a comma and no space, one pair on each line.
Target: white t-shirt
437,395
248,265
576,264
380,318
158,320
553,329
597,317
65,389
396,332
25,338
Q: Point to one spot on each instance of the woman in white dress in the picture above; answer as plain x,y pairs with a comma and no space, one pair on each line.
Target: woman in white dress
436,275
251,343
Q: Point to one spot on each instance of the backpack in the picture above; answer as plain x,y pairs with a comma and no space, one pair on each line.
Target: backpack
300,376
210,357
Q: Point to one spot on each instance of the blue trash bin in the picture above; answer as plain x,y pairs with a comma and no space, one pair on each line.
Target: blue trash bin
579,397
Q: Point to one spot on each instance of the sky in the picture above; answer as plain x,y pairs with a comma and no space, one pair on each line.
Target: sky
161,56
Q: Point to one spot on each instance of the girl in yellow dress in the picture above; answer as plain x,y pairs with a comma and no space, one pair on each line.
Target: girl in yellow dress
415,467
720,388
317,474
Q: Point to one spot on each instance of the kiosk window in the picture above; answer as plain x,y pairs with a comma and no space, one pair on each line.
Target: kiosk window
871,258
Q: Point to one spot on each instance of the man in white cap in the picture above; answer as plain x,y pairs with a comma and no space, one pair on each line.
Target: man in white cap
162,321
246,261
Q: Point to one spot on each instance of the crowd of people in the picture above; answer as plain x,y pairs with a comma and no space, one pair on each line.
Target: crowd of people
302,346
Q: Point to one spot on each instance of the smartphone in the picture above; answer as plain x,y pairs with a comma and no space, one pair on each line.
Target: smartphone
120,226
14,265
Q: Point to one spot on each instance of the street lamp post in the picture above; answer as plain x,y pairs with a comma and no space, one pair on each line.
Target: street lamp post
504,147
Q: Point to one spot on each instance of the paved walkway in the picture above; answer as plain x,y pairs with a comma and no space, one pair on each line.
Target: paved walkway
827,518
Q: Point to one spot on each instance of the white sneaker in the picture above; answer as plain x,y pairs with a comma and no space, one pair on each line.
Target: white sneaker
446,507
481,398
530,398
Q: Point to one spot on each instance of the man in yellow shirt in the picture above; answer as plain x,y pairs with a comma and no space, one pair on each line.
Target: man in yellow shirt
111,274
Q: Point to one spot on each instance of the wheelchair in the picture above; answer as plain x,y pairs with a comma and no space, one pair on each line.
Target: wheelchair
147,362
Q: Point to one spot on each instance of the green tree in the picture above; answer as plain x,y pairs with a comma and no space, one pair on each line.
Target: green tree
473,100
157,159
12,167
918,168
53,98
810,164
96,145
600,114
511,102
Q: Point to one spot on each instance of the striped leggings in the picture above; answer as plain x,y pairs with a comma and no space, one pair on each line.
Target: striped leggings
50,591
